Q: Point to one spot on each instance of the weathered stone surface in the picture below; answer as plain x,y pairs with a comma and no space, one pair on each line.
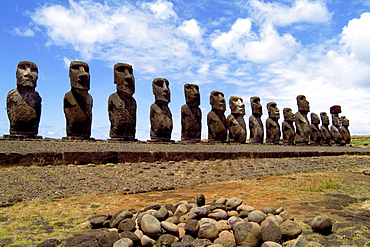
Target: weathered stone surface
160,114
226,239
301,121
23,103
233,203
161,214
273,131
218,214
344,129
150,225
235,121
269,210
200,200
209,231
48,243
201,242
200,211
248,234
130,235
121,105
288,127
325,132
126,225
98,221
335,132
270,230
322,224
147,241
223,225
290,229
192,227
181,244
107,239
78,102
191,114
120,215
216,120
270,244
255,124
166,240
170,227
256,216
315,132
124,242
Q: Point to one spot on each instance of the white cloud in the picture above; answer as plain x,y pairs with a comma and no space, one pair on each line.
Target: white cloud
23,31
278,14
191,30
356,37
161,8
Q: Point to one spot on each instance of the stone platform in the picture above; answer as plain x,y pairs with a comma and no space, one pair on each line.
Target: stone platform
55,151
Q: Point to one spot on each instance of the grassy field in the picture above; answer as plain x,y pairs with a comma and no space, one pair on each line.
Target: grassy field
360,141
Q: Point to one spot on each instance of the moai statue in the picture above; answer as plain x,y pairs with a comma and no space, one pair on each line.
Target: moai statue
255,123
78,102
191,115
235,121
160,114
288,127
216,120
121,105
302,124
336,135
315,132
344,129
24,103
273,131
325,132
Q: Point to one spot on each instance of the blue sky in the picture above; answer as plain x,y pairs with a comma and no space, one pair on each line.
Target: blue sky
272,49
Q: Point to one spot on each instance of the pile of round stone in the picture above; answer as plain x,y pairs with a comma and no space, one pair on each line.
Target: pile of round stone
224,222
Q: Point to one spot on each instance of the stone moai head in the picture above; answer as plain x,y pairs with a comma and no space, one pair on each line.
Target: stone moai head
217,101
79,76
124,79
273,110
192,95
303,104
288,115
344,121
315,119
237,105
27,74
324,118
334,111
161,90
256,106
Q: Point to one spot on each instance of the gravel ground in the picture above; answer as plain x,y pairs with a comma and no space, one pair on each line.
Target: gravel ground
20,183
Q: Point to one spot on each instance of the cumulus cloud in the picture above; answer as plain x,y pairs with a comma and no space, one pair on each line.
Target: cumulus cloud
191,30
161,8
279,14
23,31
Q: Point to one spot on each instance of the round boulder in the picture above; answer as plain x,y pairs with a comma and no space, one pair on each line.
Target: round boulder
248,234
290,229
256,216
150,225
208,231
322,224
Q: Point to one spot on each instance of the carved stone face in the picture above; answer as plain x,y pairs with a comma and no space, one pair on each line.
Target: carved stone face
273,110
256,106
217,101
324,118
161,90
288,114
303,104
79,75
344,121
27,74
124,79
237,105
315,118
192,95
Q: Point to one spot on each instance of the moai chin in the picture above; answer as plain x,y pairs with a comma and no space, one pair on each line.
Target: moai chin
255,123
302,123
325,132
160,114
78,102
336,135
216,120
288,127
273,132
344,129
121,104
315,132
191,115
236,123
24,103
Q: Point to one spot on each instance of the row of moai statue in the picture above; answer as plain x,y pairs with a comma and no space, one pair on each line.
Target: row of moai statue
24,111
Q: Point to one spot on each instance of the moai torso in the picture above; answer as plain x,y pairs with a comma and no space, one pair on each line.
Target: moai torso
24,103
255,123
216,120
315,132
78,102
235,121
288,127
160,114
121,105
191,115
325,132
302,123
273,131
